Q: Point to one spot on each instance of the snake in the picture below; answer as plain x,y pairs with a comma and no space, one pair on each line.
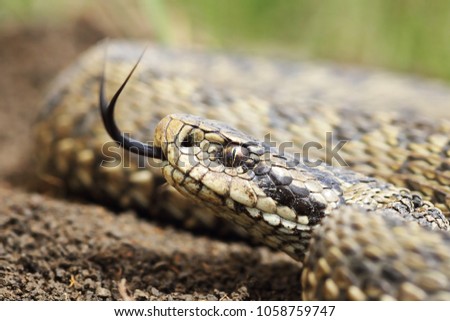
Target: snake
337,166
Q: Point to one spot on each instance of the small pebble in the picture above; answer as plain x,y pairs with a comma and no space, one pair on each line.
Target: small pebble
140,295
102,292
211,297
155,292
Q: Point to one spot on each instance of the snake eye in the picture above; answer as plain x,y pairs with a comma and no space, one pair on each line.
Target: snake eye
235,156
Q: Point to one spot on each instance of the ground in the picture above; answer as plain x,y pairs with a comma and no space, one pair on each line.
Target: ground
59,249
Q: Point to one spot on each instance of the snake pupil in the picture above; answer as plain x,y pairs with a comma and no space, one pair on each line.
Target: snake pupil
235,155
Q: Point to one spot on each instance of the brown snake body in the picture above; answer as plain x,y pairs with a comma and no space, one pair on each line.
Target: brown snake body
277,198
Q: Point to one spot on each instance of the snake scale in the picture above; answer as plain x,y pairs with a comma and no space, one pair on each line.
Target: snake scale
370,227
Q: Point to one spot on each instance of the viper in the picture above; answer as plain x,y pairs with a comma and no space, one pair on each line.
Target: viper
368,225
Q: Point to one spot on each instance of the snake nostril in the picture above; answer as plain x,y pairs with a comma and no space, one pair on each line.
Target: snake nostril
188,141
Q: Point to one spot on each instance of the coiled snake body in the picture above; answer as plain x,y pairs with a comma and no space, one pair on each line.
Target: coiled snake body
358,228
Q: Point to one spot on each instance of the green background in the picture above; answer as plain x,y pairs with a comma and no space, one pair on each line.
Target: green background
410,36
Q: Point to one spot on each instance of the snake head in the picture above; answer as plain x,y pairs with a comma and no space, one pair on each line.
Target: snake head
206,158
240,178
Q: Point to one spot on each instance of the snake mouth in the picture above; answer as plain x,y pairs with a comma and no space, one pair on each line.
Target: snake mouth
107,113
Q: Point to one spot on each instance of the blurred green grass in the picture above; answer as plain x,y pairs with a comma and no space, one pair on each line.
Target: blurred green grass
404,35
